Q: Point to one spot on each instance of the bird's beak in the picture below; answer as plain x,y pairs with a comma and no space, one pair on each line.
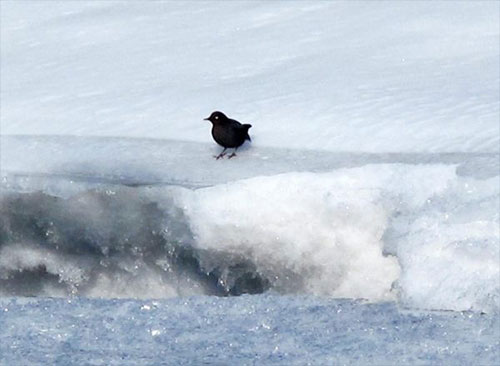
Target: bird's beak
206,119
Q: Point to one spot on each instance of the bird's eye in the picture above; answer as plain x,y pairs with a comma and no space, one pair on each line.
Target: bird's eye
216,117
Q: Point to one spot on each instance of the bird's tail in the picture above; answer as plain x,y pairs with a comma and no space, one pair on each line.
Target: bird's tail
247,127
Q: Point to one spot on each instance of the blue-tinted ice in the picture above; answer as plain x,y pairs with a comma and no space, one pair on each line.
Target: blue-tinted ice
247,330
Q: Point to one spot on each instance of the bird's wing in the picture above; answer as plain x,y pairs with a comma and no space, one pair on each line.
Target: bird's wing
241,127
237,124
234,123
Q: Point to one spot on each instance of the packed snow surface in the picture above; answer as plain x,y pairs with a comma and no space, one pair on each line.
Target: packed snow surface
341,76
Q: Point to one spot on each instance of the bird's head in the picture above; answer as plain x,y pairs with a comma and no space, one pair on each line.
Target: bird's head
216,117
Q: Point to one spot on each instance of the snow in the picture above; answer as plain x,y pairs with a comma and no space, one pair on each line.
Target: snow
378,231
360,225
335,76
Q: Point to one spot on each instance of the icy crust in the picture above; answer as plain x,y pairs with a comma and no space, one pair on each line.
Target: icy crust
360,232
419,234
101,161
452,249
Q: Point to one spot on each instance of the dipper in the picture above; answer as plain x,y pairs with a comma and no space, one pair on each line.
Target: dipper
228,132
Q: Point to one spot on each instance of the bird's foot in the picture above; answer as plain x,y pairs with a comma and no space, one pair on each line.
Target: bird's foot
232,155
221,155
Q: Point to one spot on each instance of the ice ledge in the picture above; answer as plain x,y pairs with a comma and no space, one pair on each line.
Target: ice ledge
136,162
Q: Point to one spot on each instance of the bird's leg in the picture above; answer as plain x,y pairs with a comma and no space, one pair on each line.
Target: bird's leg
233,154
221,154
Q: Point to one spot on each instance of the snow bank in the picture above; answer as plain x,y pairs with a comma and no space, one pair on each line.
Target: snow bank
419,234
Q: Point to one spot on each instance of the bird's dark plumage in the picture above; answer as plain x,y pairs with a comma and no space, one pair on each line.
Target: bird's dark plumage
228,132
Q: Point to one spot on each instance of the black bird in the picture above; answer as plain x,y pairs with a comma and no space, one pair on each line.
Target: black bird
228,132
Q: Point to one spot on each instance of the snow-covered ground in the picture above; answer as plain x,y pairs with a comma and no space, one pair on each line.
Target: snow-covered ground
412,77
373,173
